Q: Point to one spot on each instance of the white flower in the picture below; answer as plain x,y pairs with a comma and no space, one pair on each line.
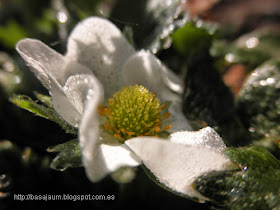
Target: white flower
99,61
178,162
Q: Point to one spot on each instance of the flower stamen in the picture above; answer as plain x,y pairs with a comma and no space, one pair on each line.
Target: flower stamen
107,111
134,111
163,106
166,115
157,128
167,127
101,110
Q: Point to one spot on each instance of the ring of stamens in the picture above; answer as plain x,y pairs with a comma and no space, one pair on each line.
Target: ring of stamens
134,111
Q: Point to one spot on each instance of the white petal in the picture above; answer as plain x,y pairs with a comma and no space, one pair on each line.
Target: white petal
145,69
45,61
89,99
100,45
207,137
62,104
80,89
176,165
89,129
177,118
172,81
108,159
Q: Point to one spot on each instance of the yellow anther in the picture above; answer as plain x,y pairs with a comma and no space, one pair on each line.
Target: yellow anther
118,136
163,106
101,110
157,128
130,133
107,111
133,111
167,127
107,127
166,115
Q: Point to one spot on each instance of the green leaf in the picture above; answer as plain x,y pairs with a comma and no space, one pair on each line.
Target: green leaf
191,39
41,110
230,54
11,33
255,186
208,100
20,167
47,100
152,21
251,49
259,104
10,78
69,155
82,8
128,34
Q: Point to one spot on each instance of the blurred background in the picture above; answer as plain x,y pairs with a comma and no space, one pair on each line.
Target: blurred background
215,45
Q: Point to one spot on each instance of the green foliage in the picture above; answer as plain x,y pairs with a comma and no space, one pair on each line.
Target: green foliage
190,39
41,110
11,33
128,33
152,21
10,78
255,186
206,96
15,164
259,104
149,24
82,8
47,100
250,49
208,100
8,152
241,55
47,22
69,155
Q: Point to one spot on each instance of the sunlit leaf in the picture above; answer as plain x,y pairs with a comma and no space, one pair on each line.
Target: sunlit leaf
41,110
69,155
254,186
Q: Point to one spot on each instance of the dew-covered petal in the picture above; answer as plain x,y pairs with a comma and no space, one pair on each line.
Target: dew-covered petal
176,165
45,61
89,130
206,137
177,118
172,81
90,97
108,159
80,89
62,104
98,44
145,69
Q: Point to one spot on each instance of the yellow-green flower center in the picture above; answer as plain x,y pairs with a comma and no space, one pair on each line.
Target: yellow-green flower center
133,111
